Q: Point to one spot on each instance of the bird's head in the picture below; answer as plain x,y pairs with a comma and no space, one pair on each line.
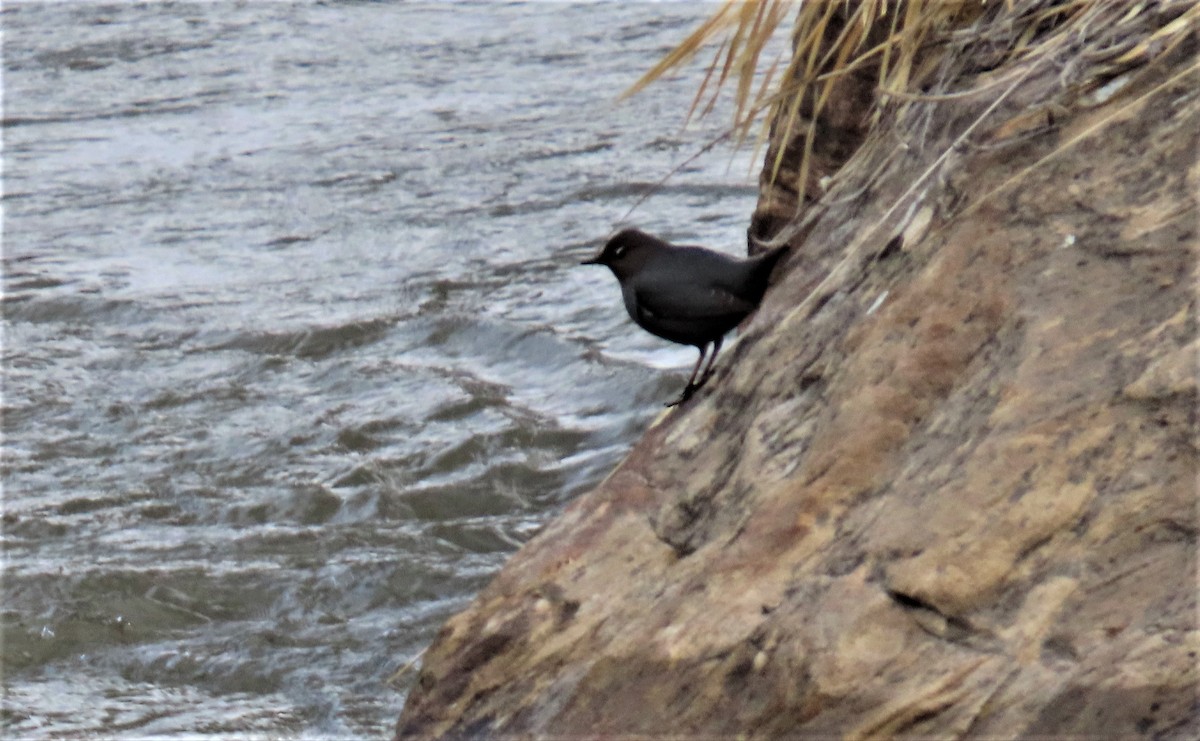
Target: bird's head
626,252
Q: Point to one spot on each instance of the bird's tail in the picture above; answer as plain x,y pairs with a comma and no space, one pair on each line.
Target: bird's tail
766,262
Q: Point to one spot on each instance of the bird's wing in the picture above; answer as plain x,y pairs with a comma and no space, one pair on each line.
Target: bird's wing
672,301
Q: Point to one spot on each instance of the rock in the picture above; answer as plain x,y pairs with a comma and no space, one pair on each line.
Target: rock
942,490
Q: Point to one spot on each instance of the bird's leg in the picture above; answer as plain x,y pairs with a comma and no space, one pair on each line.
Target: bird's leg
699,362
708,371
691,387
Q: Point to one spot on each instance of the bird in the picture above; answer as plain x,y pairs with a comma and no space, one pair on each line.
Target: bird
686,294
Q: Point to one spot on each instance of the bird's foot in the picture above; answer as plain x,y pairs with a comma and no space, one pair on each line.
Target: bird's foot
688,390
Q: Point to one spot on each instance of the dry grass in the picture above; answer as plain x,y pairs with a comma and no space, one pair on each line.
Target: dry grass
917,51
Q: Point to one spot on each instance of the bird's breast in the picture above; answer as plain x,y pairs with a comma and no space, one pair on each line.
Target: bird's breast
630,298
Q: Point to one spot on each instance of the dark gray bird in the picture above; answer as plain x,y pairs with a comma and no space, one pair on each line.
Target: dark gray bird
689,295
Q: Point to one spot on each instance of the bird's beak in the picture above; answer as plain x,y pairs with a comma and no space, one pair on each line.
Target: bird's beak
593,261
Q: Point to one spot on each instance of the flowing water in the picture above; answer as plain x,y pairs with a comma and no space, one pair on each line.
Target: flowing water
296,346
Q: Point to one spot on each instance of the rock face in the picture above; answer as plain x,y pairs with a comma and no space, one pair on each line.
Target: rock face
944,484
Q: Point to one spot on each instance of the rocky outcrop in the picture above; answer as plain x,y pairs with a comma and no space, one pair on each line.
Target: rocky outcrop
943,485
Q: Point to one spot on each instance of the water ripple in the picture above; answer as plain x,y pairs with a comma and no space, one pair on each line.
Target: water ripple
296,345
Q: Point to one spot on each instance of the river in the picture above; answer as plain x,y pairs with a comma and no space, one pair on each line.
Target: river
297,350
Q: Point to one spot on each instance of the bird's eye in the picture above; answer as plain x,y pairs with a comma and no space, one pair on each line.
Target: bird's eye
619,251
